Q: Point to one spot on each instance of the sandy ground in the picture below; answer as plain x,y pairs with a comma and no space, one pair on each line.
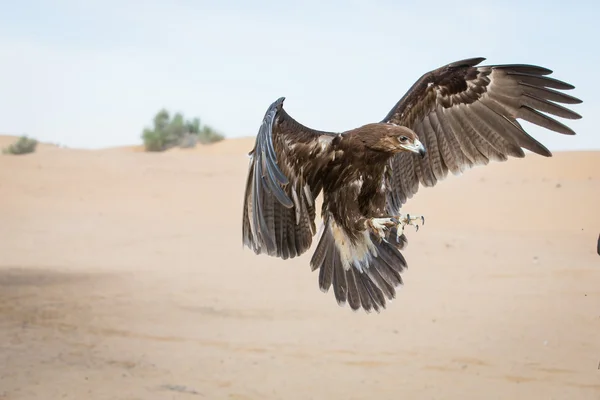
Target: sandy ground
122,276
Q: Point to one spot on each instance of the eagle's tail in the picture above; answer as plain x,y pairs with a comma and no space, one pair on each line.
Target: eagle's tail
365,273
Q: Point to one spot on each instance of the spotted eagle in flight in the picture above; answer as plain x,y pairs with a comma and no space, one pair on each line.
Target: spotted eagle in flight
452,119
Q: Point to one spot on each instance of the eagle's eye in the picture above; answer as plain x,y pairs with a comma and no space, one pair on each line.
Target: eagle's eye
403,139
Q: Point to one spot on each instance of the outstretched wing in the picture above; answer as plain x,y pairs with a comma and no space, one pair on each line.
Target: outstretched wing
282,185
466,115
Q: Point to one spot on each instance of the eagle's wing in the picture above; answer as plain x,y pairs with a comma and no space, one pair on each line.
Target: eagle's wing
466,115
282,185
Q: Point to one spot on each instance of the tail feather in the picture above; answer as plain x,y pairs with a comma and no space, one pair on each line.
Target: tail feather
384,285
366,299
340,282
353,294
364,274
326,274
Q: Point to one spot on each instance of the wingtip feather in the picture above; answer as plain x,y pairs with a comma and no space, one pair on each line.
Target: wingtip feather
467,62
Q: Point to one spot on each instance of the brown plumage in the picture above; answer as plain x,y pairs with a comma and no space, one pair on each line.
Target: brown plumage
452,119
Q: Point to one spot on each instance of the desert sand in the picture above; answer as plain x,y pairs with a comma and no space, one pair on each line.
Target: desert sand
122,276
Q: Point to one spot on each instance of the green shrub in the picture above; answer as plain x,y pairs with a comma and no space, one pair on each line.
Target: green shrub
153,140
172,132
23,145
209,135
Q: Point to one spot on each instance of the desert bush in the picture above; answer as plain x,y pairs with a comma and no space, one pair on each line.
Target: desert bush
23,145
168,132
209,135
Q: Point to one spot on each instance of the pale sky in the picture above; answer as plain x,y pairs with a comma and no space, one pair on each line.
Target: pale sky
93,73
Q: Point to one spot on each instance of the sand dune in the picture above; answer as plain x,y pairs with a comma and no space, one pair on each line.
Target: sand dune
122,276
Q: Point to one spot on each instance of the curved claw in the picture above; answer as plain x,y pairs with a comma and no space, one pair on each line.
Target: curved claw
402,221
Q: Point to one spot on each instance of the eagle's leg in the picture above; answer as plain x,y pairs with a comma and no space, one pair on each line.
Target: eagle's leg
379,225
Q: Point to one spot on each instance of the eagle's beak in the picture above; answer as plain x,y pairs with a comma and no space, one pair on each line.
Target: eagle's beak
416,147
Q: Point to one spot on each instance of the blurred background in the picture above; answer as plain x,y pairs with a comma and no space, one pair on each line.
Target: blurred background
93,74
125,127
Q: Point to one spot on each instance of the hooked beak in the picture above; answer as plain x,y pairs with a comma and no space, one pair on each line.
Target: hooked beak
416,147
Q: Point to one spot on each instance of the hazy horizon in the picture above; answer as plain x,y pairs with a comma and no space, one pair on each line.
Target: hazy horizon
93,75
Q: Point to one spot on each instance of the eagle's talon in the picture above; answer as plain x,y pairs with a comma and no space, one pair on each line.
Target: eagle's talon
408,220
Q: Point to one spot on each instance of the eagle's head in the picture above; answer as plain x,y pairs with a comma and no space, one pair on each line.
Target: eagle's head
391,138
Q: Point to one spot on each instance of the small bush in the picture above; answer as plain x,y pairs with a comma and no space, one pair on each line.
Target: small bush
153,140
172,132
209,135
23,145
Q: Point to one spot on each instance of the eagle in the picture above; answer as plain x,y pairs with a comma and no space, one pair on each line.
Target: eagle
452,119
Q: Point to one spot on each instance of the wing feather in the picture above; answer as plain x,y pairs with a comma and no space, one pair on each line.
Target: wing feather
447,156
435,163
279,209
535,117
461,159
423,166
537,81
498,130
466,115
548,94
